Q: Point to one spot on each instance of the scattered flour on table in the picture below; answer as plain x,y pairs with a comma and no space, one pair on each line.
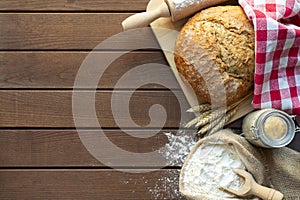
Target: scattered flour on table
179,4
175,153
167,187
179,146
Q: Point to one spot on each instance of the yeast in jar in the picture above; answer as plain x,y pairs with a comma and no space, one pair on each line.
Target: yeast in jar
269,128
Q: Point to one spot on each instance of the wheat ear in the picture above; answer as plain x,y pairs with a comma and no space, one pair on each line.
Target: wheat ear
211,117
200,108
223,121
195,120
209,126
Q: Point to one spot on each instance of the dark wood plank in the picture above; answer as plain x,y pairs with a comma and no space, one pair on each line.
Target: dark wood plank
63,148
56,148
54,108
69,31
78,5
59,69
88,184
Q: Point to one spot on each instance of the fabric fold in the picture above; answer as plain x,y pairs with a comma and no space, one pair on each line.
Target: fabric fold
277,53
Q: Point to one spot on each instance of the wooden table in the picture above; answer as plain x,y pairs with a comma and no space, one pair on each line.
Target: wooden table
43,43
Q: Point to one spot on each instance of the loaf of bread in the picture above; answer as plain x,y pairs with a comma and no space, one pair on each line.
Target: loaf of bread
219,38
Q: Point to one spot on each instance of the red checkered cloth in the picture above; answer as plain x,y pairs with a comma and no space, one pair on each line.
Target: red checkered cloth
277,53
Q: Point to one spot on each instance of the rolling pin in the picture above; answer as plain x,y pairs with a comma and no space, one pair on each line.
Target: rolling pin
176,9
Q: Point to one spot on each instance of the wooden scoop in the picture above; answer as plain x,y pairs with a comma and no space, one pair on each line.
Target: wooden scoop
167,9
252,188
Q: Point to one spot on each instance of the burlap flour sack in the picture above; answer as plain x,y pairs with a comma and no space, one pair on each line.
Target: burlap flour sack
283,171
276,168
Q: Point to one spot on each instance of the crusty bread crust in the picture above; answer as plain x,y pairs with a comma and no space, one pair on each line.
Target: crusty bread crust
222,38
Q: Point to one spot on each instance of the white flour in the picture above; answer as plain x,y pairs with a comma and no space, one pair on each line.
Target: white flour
167,187
175,152
179,146
209,168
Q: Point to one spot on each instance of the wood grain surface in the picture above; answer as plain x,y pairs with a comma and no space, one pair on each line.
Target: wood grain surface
73,5
63,148
54,108
69,31
59,69
42,46
88,184
43,43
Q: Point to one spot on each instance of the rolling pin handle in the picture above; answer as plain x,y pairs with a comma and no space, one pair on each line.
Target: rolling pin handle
145,18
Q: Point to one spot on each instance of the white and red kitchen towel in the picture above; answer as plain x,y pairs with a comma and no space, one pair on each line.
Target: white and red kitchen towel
277,53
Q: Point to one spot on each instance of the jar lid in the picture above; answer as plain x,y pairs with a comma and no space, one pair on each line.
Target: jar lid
276,128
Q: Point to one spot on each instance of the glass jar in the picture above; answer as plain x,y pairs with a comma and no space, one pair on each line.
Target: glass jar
269,128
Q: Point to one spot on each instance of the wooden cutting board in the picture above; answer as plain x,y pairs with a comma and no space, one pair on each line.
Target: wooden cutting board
166,32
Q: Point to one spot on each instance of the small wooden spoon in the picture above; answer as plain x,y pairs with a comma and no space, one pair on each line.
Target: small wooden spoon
252,188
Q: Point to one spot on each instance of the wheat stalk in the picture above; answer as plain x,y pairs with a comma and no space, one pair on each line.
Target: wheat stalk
215,117
209,126
211,117
230,107
200,108
195,120
217,124
223,121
